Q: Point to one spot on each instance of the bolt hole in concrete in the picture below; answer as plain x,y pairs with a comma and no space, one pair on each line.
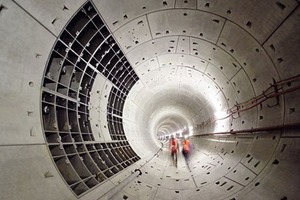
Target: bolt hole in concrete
283,148
275,162
31,84
230,188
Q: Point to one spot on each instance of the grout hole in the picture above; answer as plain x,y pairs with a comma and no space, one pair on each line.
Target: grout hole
230,188
275,162
223,183
31,84
256,184
54,20
201,34
165,3
2,7
206,5
250,160
247,178
125,17
249,24
291,110
280,5
272,47
284,198
65,7
257,164
261,117
279,60
125,197
184,14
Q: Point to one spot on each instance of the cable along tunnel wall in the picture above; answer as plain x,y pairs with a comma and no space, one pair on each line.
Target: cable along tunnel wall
84,50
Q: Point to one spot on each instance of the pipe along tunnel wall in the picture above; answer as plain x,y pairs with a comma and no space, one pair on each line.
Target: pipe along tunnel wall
90,90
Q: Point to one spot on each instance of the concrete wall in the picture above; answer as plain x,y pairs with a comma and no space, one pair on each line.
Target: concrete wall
235,48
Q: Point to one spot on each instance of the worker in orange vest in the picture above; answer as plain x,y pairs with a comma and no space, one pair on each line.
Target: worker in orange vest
174,149
186,148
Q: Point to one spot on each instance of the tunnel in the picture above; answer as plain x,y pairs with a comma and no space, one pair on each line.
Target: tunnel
92,91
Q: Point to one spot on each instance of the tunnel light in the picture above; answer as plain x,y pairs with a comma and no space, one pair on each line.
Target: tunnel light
223,141
180,133
191,131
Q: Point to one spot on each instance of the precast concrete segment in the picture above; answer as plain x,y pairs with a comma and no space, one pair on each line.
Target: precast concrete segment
200,56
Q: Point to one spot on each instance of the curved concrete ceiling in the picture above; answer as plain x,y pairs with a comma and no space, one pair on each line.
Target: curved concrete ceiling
225,73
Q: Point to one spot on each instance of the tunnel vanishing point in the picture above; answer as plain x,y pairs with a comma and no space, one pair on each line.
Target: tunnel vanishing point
91,91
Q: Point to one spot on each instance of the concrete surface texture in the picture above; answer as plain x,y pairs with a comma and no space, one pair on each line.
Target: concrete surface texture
91,92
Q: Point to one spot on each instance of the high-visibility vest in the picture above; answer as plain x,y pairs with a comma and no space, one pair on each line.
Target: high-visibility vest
173,145
186,145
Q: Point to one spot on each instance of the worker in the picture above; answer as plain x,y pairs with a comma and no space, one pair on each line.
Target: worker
174,149
186,149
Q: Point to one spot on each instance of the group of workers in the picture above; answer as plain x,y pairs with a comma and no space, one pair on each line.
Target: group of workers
174,148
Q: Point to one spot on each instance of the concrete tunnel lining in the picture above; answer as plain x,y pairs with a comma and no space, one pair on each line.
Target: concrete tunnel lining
182,67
